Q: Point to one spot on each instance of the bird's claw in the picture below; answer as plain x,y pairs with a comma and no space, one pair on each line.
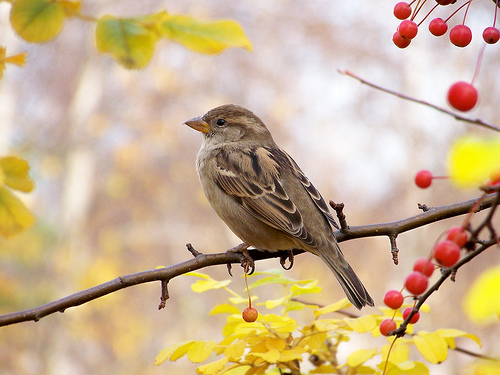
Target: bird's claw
247,261
283,259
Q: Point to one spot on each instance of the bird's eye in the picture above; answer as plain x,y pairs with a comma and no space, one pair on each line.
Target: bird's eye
221,122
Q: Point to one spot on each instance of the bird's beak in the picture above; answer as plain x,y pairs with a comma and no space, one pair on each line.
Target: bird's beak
199,124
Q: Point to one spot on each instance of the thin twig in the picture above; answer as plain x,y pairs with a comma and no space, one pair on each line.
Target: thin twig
423,102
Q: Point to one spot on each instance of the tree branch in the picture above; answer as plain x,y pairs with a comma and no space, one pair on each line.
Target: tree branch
205,260
458,117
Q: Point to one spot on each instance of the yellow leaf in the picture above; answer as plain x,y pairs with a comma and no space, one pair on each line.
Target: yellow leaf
201,286
399,353
235,351
454,333
484,367
360,356
197,274
71,8
362,324
37,21
342,304
325,325
407,368
213,368
14,216
280,324
165,354
181,350
208,37
270,356
200,351
275,343
128,40
314,341
432,346
18,59
292,354
225,308
481,302
271,304
473,161
14,173
298,290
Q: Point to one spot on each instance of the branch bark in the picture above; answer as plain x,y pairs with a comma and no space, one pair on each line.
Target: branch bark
206,260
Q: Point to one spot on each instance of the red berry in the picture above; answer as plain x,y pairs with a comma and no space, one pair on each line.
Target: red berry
457,235
445,2
460,35
393,299
400,41
491,35
250,314
423,179
386,326
424,266
416,283
438,27
414,318
402,10
462,96
447,253
408,29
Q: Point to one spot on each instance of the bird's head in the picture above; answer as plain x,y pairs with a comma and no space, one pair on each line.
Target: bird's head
231,123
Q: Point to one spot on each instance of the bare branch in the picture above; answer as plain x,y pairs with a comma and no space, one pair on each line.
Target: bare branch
423,102
205,260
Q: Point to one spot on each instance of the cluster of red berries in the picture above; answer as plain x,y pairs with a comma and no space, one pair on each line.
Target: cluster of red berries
446,254
460,35
462,96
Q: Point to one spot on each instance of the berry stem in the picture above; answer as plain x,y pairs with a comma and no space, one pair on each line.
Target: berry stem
458,10
495,16
466,11
248,291
389,354
418,7
478,64
428,14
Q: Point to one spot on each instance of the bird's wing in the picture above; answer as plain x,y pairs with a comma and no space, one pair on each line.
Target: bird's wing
313,192
252,177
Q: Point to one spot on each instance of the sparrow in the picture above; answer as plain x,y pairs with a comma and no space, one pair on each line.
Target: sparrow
263,196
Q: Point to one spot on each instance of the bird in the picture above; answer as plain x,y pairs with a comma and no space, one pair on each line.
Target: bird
263,196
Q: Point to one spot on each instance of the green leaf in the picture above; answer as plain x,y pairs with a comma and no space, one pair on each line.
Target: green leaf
131,41
37,21
208,37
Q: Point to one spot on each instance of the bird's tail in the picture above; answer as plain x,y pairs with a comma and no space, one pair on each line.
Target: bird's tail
352,285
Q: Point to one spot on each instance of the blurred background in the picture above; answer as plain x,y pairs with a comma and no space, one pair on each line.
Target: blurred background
117,190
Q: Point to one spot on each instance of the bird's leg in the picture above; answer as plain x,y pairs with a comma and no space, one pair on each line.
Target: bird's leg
247,262
284,258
